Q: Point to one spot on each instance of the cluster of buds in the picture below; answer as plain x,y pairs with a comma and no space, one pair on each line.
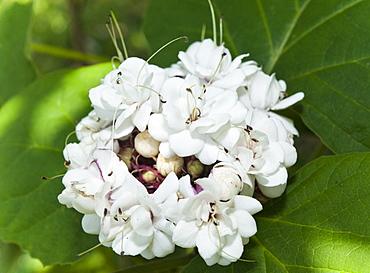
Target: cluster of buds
173,156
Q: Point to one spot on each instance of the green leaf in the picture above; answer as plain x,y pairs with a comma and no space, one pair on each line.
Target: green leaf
16,72
319,47
33,127
321,223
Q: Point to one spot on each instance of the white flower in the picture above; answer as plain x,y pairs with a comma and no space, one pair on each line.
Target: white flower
266,93
83,183
192,117
128,95
210,62
218,229
263,152
133,222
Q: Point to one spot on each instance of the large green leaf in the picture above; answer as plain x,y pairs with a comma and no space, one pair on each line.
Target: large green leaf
321,223
319,47
33,127
15,69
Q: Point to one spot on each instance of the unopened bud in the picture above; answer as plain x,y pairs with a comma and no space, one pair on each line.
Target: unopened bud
195,168
146,145
125,154
149,176
229,181
167,165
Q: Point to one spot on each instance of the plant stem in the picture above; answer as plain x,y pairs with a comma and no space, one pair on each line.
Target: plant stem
67,54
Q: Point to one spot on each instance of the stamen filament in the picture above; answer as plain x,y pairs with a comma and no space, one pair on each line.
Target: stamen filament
155,53
213,21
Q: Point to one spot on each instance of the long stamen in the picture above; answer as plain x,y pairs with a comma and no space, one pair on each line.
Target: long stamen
203,32
155,53
213,21
221,28
105,241
215,72
120,34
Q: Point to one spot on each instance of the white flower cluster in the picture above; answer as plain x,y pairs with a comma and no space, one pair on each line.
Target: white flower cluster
173,156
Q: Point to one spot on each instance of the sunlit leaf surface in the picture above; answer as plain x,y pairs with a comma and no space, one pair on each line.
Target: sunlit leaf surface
33,127
321,224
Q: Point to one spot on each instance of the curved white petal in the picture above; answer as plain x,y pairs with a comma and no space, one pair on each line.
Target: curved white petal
91,223
185,233
289,101
185,143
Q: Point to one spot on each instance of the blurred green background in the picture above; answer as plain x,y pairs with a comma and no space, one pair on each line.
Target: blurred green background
72,33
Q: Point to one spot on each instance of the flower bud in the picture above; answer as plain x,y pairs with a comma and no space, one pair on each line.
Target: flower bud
149,176
125,154
228,179
167,165
146,145
195,168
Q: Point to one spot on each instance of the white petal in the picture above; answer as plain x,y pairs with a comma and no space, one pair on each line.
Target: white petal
185,233
162,244
133,244
158,128
141,117
290,153
141,221
169,185
288,101
165,150
232,249
208,244
246,224
91,223
288,123
247,203
186,143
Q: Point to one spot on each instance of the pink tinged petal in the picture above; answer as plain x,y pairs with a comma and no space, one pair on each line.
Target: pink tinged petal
158,127
290,153
247,203
232,249
162,244
185,143
169,185
185,233
285,103
210,185
91,223
141,117
141,221
208,244
246,224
